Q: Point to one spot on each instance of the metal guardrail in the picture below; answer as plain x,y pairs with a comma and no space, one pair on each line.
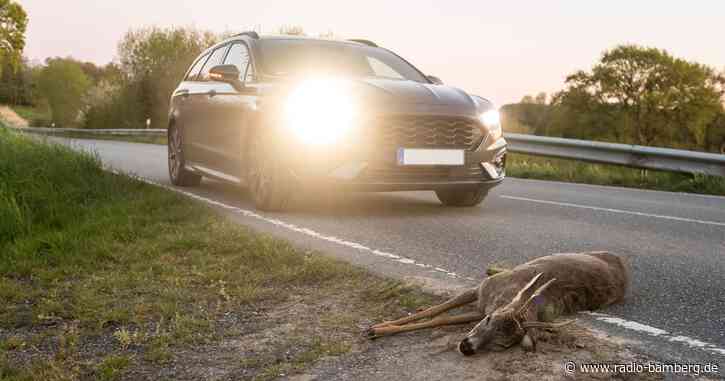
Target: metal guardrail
116,131
634,156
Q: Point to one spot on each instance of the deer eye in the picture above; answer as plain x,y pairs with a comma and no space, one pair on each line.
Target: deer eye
487,319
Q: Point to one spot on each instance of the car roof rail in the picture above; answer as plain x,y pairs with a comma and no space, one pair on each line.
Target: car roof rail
252,34
364,42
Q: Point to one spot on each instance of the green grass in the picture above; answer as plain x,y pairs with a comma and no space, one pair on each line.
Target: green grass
36,116
112,367
532,167
102,275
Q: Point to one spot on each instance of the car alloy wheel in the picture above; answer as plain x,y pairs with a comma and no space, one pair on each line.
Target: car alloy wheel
267,183
178,174
174,153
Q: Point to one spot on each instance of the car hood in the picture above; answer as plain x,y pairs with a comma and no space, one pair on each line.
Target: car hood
406,94
402,96
415,92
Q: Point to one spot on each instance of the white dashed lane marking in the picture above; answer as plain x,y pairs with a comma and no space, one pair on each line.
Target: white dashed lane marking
610,210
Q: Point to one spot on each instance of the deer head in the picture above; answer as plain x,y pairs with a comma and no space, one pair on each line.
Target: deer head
508,325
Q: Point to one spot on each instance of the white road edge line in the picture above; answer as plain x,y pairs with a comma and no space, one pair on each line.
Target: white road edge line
610,210
656,332
652,331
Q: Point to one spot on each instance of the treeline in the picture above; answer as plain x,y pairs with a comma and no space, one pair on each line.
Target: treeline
633,95
123,94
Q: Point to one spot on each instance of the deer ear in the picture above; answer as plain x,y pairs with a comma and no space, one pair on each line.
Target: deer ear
493,270
528,343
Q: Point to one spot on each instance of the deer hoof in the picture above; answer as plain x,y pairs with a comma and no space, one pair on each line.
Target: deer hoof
370,333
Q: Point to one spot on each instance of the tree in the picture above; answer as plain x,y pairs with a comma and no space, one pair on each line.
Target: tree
292,30
654,98
532,114
63,84
153,62
13,21
16,82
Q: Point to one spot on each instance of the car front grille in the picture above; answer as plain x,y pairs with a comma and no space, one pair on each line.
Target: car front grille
393,173
406,131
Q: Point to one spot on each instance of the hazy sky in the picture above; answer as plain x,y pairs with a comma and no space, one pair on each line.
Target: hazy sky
498,49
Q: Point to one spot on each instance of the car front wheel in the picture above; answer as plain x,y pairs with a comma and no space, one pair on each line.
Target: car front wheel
268,182
177,167
462,198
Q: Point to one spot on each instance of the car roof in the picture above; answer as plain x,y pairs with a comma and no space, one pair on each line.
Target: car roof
282,37
251,37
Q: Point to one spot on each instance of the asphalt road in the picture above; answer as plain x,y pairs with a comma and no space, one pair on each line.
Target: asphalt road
674,242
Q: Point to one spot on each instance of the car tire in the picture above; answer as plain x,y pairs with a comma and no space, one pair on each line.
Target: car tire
178,173
268,182
462,198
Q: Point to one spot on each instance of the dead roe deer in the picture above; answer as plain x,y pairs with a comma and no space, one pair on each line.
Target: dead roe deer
513,304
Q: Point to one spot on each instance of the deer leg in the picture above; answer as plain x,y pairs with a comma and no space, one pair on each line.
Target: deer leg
437,322
466,297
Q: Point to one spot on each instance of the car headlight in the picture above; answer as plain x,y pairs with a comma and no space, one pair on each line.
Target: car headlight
320,111
491,119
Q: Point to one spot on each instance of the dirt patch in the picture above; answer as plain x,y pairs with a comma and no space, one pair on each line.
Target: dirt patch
261,342
12,119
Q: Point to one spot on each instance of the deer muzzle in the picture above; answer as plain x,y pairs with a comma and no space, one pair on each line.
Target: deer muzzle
467,346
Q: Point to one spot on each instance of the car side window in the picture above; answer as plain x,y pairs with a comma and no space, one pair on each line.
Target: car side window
214,60
196,68
380,69
239,57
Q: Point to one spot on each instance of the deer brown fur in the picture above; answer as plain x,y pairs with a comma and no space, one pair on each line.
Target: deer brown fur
513,304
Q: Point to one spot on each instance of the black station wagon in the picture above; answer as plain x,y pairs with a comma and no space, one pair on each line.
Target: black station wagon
280,114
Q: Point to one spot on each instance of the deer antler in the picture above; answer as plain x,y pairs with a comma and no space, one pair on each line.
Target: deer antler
520,295
525,307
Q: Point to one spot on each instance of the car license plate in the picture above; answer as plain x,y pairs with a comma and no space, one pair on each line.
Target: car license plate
421,156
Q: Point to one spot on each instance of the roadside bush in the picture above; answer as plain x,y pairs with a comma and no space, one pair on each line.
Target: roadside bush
63,83
113,106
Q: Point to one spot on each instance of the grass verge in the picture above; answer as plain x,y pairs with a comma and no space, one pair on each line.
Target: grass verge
526,166
106,277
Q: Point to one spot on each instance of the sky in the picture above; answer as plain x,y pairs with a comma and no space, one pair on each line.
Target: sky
501,50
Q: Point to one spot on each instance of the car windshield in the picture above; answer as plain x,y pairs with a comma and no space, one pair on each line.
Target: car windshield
289,57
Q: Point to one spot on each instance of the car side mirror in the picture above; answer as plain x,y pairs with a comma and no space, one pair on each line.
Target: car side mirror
226,73
435,80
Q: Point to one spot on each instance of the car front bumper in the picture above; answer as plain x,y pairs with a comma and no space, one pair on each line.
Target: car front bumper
368,170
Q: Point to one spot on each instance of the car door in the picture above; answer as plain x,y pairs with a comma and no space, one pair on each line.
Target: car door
233,106
183,108
203,99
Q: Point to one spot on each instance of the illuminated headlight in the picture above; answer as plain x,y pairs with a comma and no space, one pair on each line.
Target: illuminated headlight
491,119
320,111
